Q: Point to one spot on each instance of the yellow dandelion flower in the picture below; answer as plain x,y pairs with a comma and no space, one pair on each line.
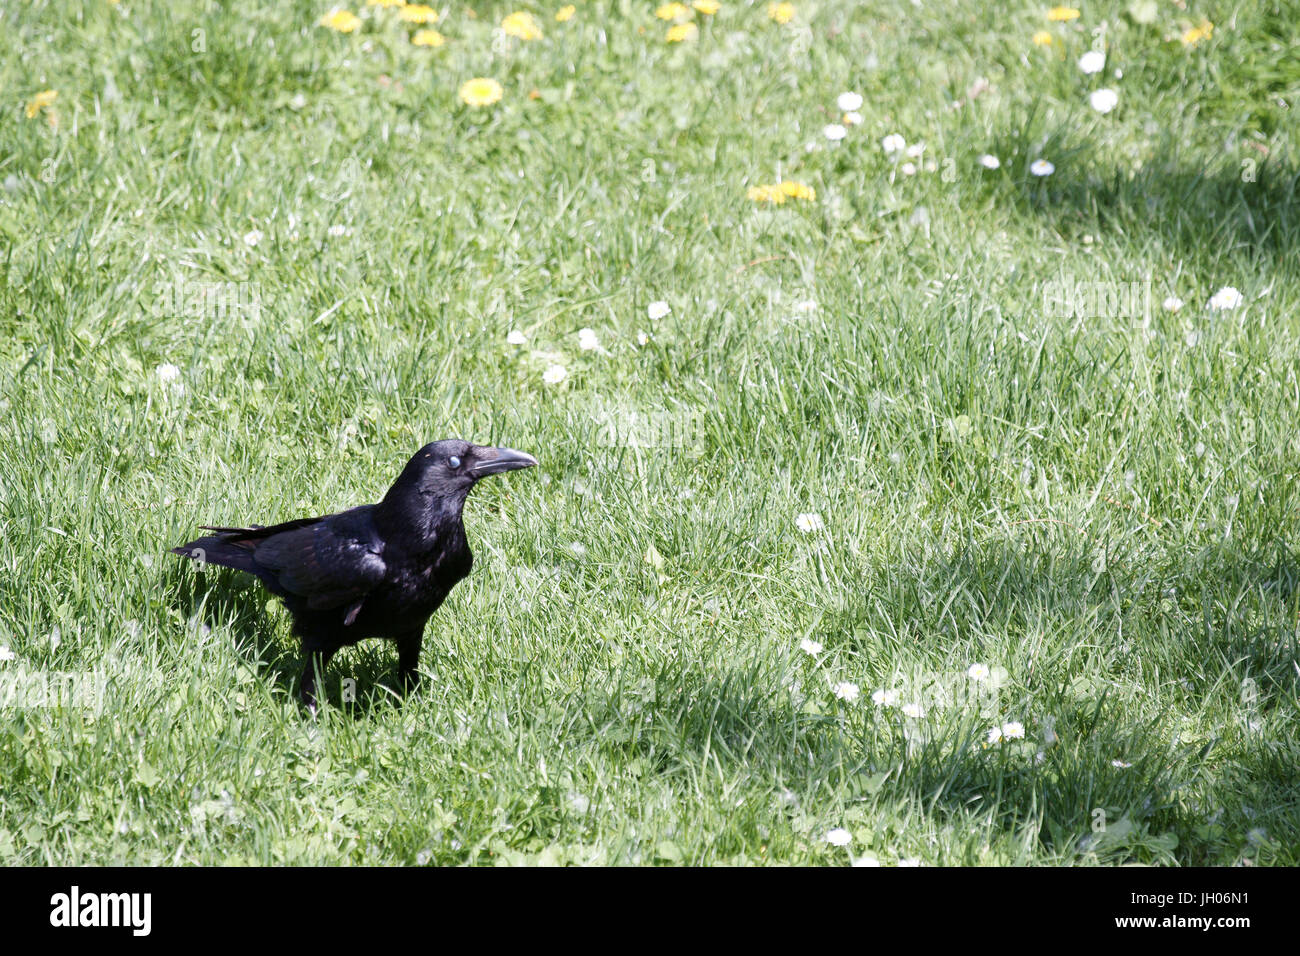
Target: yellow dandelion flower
1198,33
707,7
565,14
418,13
777,193
781,12
42,100
1058,14
798,190
1042,38
480,91
682,32
386,4
344,21
673,11
770,194
428,38
522,25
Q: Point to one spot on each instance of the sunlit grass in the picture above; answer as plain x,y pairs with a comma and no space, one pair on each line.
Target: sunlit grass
1100,511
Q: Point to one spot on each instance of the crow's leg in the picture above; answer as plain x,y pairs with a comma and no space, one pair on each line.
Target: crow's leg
315,663
408,659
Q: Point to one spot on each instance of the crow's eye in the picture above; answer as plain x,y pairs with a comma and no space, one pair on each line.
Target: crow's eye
453,461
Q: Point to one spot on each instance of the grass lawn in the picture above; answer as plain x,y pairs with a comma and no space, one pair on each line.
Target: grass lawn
910,518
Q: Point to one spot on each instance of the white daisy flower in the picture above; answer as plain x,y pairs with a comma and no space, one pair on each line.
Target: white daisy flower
810,647
1172,304
1013,730
6,654
915,711
1041,167
915,150
809,522
515,337
587,340
852,118
893,143
909,169
555,374
168,373
1094,61
849,102
977,672
657,310
1120,764
866,861
989,161
839,837
846,691
885,698
643,338
834,132
252,237
1103,101
1226,298
338,229
994,736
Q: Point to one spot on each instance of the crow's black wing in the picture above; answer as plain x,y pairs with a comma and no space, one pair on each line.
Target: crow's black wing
263,531
233,547
333,562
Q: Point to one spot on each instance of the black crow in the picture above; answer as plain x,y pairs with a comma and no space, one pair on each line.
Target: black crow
373,571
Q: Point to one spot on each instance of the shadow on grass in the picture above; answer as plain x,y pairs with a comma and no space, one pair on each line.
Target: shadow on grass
1244,200
359,680
1215,631
1113,781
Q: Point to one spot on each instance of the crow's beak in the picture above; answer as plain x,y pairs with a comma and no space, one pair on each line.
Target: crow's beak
493,461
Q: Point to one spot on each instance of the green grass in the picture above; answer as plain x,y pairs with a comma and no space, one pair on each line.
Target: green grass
1102,512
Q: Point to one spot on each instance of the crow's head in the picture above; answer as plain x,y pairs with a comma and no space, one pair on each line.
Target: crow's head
449,468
